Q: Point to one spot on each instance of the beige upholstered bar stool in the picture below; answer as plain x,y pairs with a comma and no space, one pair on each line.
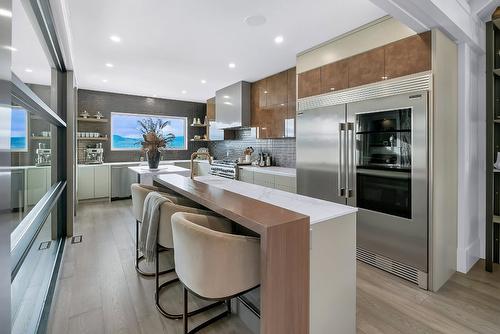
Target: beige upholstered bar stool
211,262
139,193
165,241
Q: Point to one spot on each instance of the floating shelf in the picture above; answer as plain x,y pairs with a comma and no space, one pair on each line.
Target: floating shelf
93,139
199,125
496,219
496,170
199,139
92,120
496,120
39,138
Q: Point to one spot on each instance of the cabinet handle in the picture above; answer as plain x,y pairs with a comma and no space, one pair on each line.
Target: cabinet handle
340,190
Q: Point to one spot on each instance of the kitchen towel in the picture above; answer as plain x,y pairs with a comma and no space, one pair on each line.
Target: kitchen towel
149,226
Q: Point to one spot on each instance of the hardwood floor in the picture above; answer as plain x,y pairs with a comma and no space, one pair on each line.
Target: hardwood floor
98,291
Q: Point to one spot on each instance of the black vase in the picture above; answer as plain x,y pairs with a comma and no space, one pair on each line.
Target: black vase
153,157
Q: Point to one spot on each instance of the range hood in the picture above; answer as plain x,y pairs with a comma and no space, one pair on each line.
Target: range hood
232,106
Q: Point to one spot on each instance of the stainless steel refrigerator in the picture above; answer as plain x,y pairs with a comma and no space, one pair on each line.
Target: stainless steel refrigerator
372,154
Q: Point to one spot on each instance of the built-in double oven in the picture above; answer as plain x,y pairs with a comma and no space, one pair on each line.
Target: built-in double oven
372,154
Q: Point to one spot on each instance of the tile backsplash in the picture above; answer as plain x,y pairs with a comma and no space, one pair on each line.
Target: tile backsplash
107,102
282,150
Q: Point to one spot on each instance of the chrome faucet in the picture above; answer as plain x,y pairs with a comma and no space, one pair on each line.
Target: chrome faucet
196,154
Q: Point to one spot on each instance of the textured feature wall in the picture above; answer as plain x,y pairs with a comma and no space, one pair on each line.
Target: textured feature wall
282,150
106,103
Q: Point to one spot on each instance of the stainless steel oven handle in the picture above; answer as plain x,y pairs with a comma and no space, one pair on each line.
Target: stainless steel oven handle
349,159
340,174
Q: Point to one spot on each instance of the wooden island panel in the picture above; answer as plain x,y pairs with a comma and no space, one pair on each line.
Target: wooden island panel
284,250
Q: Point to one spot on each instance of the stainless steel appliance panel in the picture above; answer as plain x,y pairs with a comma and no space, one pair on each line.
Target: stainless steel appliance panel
121,180
399,232
321,135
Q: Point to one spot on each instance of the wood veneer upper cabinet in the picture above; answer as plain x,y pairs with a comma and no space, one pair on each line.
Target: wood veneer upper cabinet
367,67
273,121
292,103
211,109
409,55
335,76
309,83
277,89
292,85
257,102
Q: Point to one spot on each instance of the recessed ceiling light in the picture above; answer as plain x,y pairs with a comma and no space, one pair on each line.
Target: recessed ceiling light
104,80
184,92
29,70
5,12
203,81
255,20
109,65
278,39
10,48
115,38
226,96
228,103
232,65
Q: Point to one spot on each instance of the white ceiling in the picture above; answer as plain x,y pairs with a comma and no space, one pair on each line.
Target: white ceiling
171,45
28,54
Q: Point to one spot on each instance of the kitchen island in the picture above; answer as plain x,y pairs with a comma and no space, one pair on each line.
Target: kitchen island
308,251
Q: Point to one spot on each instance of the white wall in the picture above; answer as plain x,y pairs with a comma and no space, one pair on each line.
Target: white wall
471,157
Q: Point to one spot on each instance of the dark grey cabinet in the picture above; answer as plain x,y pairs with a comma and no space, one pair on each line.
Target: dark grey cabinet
121,180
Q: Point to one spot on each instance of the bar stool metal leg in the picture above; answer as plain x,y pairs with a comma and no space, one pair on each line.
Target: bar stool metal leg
210,321
160,287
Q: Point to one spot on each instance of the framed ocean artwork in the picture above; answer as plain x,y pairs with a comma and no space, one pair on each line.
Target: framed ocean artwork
126,136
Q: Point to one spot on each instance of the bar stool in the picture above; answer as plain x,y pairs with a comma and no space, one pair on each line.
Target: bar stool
211,263
165,242
139,193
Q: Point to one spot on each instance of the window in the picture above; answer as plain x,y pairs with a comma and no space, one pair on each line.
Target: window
16,125
125,133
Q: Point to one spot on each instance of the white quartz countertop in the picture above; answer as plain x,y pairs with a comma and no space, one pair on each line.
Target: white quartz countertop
284,171
9,168
162,169
318,210
135,163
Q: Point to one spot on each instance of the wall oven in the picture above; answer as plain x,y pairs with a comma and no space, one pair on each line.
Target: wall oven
372,154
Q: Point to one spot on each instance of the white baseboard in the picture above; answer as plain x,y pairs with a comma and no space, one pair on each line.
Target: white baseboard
467,257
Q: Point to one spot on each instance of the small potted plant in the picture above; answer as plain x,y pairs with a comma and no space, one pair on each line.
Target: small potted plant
154,139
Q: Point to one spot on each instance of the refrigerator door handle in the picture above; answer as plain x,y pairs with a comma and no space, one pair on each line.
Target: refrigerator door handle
349,159
340,174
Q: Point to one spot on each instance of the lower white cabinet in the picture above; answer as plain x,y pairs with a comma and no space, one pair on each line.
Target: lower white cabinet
101,181
245,175
93,182
264,179
85,186
38,182
281,182
285,183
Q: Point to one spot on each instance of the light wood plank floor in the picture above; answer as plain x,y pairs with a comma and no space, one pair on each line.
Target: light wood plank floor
98,291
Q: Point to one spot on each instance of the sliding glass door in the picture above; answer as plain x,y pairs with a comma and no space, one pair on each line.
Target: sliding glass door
33,199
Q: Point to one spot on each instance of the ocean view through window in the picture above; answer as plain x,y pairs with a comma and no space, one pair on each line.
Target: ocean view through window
126,136
19,130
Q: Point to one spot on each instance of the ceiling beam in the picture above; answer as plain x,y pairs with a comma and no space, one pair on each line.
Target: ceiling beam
484,8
